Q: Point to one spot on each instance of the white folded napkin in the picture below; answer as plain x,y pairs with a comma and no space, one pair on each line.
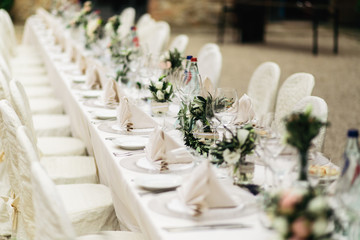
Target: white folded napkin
112,93
131,117
163,150
81,61
246,111
203,190
92,77
207,88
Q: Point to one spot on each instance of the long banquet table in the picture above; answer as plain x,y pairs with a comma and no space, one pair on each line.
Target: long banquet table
133,210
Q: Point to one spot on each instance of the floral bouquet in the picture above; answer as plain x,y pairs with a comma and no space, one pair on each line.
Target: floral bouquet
93,31
162,90
234,150
173,61
301,129
81,17
300,214
112,26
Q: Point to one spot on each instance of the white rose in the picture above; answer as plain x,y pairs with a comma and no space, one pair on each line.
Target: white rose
281,225
319,227
231,157
159,85
168,89
159,95
317,205
242,135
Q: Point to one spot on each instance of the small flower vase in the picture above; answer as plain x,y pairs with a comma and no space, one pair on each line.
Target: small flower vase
242,172
159,109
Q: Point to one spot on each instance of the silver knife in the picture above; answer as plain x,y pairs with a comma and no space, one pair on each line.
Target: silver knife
207,227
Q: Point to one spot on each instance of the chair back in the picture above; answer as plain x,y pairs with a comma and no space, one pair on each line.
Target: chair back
8,28
296,87
263,87
156,43
180,42
127,19
210,64
320,111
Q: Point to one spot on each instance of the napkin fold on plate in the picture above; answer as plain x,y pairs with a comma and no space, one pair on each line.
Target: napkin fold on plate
92,77
112,93
246,111
81,61
208,88
131,117
203,191
163,150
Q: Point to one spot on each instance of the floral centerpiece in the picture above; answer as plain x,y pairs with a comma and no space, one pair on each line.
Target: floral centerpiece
300,214
162,92
93,31
112,26
81,17
234,150
301,129
173,61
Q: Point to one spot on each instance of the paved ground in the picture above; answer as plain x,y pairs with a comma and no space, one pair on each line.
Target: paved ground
337,77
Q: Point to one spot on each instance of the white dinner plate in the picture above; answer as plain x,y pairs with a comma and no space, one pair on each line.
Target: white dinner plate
105,114
78,79
144,131
159,182
144,163
91,94
131,142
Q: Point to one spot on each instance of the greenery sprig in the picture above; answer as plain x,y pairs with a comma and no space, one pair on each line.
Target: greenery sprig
162,90
81,17
175,59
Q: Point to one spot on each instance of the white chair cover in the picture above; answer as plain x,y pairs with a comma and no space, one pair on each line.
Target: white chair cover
127,19
145,27
159,38
46,125
207,47
263,87
319,110
295,87
210,64
180,42
39,92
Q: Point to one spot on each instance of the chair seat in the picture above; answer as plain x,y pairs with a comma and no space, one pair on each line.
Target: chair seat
26,61
28,70
61,146
110,235
89,206
45,106
33,80
39,91
52,125
70,169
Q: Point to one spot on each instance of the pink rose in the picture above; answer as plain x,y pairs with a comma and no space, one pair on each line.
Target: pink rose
301,228
288,201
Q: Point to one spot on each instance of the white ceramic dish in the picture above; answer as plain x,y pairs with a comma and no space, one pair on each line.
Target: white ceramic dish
91,94
145,164
79,79
131,142
159,182
144,131
105,114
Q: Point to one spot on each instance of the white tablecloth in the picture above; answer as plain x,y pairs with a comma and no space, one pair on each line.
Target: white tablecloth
132,209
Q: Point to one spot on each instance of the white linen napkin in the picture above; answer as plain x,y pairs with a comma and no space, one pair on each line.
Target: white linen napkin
92,77
203,190
112,93
131,117
208,88
163,150
81,61
246,111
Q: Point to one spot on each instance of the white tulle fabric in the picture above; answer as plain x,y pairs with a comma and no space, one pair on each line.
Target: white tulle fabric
159,38
39,92
295,87
210,64
319,110
52,125
263,87
180,42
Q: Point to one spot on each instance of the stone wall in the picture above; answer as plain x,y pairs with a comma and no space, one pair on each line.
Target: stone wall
186,12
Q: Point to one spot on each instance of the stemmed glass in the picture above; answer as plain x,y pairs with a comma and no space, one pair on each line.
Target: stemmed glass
225,106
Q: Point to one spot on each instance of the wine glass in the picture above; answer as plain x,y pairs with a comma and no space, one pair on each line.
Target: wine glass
225,106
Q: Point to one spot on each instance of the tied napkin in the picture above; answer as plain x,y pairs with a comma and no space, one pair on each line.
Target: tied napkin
92,77
203,191
162,150
208,88
112,93
246,111
130,116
